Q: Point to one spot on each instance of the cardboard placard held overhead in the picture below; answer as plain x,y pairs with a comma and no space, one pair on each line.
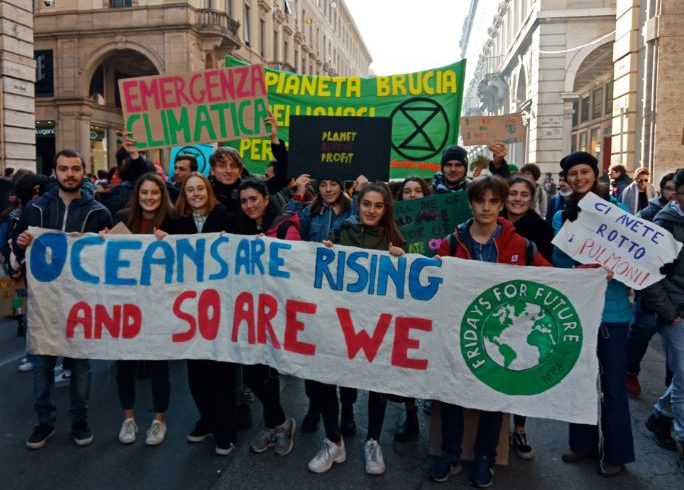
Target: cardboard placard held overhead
202,107
484,130
340,147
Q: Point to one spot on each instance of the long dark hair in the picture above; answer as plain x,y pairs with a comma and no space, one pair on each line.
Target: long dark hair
399,196
343,200
387,225
134,212
247,225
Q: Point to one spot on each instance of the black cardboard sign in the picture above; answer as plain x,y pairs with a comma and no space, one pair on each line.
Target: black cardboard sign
340,147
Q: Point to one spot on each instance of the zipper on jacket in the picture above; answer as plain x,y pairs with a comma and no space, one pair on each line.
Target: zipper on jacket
66,213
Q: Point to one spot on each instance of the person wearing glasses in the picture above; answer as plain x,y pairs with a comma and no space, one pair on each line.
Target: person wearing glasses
636,195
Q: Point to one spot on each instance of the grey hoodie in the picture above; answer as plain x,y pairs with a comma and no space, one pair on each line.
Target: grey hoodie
667,296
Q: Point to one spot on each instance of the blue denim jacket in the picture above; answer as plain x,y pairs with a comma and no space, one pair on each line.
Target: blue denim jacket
320,226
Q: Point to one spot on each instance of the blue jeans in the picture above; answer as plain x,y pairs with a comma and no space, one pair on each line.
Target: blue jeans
488,430
615,441
44,381
671,404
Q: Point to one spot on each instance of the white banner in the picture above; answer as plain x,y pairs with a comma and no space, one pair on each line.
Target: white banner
605,234
489,336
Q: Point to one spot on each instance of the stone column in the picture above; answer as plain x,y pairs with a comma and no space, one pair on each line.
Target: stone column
17,77
626,60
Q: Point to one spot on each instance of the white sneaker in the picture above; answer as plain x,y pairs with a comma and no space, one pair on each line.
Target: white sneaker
62,377
25,365
330,453
375,464
156,433
128,431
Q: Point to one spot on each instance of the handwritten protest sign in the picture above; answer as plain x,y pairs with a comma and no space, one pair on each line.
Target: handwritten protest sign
483,130
202,153
424,108
481,335
425,222
214,105
633,248
340,147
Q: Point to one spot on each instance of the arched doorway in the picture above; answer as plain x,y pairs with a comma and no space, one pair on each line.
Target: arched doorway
592,110
104,98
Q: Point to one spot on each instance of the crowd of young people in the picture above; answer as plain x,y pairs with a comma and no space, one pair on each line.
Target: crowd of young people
508,221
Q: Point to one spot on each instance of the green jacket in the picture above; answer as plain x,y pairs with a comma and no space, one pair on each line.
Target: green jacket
355,234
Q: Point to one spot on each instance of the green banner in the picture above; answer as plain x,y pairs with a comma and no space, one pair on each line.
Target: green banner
424,222
424,107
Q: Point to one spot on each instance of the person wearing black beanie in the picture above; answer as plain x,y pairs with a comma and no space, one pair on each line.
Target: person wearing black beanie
577,157
454,171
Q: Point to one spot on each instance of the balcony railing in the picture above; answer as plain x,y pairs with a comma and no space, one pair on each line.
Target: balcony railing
216,21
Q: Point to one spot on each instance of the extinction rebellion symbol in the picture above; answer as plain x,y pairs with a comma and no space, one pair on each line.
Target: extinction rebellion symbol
521,337
420,128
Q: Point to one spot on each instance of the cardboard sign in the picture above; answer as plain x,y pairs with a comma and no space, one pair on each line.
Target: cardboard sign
202,153
12,296
425,222
497,337
213,105
484,130
605,234
424,108
340,147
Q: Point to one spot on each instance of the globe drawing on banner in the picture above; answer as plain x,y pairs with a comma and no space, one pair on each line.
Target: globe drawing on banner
521,337
519,352
201,152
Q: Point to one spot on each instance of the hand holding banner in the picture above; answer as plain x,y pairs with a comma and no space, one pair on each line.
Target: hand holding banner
490,336
634,249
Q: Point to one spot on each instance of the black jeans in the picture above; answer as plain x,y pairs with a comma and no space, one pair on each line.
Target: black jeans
212,385
377,404
324,398
265,383
126,373
488,430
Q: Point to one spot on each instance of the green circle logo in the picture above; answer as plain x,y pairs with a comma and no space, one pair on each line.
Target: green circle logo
521,337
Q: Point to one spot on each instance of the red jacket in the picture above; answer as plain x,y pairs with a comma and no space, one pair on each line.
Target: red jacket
511,248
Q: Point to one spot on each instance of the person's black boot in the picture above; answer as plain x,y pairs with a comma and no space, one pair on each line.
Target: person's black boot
662,430
409,430
347,424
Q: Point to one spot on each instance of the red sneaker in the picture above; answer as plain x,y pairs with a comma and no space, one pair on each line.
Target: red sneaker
633,386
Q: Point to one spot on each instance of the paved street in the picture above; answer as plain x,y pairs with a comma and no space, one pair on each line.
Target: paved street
176,464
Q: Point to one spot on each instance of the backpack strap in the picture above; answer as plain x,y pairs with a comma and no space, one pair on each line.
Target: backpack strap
452,245
530,252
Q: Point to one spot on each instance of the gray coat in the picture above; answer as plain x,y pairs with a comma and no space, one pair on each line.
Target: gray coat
667,296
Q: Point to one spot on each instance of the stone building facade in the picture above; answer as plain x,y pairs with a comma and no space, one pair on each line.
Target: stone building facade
586,74
86,46
17,71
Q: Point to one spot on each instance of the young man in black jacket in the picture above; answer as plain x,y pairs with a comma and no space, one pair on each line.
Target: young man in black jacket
68,209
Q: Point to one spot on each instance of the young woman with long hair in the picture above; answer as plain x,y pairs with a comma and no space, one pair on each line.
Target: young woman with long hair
373,227
149,209
212,383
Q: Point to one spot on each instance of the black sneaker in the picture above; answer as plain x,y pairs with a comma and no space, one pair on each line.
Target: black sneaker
482,472
443,467
310,421
41,433
521,446
662,430
82,434
199,433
